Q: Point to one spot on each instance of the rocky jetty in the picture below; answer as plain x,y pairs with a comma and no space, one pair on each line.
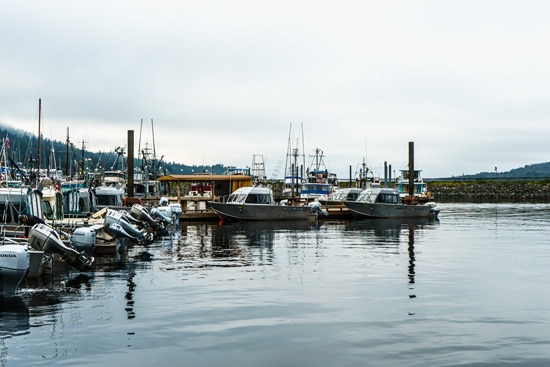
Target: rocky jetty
491,191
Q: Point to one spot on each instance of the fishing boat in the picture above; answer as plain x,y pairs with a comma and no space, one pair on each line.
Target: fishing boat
256,203
420,188
382,202
320,183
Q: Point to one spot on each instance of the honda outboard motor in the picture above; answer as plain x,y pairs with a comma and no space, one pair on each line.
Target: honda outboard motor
44,238
83,239
14,264
140,213
131,232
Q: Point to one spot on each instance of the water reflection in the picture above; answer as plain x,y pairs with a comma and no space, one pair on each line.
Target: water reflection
390,227
14,316
231,244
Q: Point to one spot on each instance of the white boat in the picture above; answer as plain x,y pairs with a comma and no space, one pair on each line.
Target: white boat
256,203
387,203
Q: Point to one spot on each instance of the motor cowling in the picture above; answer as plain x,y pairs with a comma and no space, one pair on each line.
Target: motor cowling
45,238
14,264
83,239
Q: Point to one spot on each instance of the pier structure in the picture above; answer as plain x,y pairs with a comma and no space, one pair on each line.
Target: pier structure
194,191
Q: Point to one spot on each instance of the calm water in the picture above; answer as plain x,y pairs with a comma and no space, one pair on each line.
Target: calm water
470,290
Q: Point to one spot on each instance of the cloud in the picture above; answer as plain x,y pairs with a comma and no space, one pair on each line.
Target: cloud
223,80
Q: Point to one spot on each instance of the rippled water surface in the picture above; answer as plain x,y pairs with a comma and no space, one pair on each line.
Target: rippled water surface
472,289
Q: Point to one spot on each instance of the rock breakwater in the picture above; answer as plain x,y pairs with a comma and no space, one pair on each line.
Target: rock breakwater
491,191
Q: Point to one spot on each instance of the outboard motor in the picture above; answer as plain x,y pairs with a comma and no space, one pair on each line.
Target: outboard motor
140,213
45,238
14,264
316,208
131,232
160,216
116,230
83,239
171,210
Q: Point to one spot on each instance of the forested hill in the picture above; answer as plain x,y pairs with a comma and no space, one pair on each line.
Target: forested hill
537,170
22,148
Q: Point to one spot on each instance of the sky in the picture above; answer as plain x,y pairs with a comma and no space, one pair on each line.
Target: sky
237,82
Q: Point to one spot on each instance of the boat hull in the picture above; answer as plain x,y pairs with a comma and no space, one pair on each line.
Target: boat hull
383,210
259,212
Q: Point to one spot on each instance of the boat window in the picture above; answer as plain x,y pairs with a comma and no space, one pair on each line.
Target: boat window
388,198
257,199
236,198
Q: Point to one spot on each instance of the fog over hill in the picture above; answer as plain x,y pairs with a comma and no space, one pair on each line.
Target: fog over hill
23,149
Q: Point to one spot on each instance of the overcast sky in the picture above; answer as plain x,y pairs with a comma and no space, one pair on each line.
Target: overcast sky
467,81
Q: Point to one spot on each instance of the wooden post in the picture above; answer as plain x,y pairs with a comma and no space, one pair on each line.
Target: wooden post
411,168
130,165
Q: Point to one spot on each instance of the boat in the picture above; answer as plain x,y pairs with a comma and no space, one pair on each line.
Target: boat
320,184
420,187
256,203
380,202
108,196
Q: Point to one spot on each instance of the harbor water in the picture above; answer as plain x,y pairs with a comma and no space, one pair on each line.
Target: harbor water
472,289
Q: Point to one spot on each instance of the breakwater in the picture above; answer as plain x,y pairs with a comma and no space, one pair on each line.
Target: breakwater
487,191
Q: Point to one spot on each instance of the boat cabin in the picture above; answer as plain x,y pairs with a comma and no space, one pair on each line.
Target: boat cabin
346,194
310,190
380,195
402,185
252,195
109,196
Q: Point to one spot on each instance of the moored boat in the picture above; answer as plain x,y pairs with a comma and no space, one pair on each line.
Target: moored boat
256,203
386,203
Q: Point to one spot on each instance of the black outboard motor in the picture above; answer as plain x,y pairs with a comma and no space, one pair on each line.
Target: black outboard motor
124,228
45,238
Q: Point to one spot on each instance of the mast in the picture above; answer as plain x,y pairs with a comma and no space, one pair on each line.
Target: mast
155,165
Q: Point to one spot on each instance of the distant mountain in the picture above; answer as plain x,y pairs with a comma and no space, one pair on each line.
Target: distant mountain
537,170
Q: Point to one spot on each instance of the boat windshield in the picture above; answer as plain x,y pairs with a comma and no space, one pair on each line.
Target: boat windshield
236,198
387,198
258,199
